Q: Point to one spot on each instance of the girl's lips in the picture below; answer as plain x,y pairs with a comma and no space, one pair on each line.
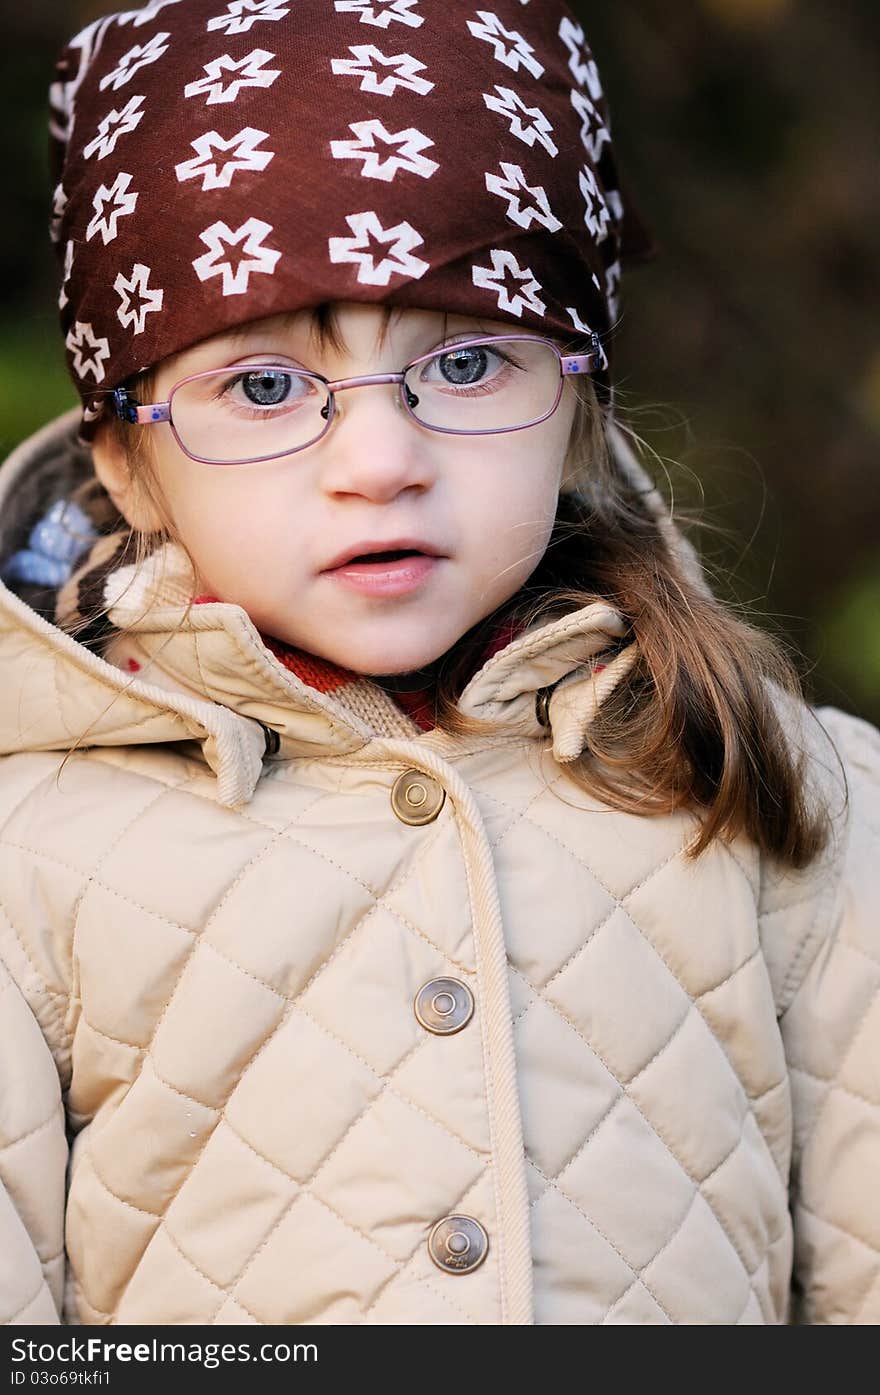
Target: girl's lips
386,578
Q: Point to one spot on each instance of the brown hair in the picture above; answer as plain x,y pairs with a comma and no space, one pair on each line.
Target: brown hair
692,725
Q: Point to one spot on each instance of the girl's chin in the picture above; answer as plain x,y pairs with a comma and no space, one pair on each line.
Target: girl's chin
387,666
378,666
385,658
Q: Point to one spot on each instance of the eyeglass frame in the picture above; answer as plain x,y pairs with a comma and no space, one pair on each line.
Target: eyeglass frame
154,413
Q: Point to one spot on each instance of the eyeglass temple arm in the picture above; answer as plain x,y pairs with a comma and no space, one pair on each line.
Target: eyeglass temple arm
128,410
595,360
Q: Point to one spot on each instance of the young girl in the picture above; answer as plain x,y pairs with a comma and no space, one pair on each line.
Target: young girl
421,901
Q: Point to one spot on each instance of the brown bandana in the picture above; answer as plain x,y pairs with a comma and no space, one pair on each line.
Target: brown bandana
218,162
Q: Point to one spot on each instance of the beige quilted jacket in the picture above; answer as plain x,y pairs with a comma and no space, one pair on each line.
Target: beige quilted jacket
390,1027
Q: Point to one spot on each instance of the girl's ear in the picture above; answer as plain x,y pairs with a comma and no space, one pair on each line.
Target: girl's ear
114,470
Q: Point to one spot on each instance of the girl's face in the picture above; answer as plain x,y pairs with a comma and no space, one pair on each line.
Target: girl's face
263,535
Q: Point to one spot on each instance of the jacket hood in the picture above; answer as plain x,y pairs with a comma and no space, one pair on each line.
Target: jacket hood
205,675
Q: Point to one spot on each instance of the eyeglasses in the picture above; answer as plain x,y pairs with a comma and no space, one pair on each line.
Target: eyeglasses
251,412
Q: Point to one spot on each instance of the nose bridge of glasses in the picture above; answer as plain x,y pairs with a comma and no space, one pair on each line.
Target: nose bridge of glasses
365,380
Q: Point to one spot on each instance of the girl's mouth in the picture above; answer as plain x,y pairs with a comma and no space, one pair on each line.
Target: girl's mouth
386,573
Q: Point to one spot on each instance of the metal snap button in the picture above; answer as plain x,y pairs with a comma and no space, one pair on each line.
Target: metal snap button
542,706
444,1005
416,798
457,1244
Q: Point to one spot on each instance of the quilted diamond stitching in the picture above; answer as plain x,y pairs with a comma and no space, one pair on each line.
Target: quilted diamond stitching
619,902
732,973
82,1301
785,906
862,1308
774,1240
835,1225
661,1050
388,1087
20,1312
129,1205
399,1265
418,1046
460,1202
726,849
44,987
41,787
380,898
108,1036
305,1189
201,935
197,937
422,853
22,1137
666,1143
695,1002
639,1277
551,1184
833,1084
187,1259
579,1148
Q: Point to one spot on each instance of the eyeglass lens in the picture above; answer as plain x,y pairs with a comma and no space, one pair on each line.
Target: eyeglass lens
231,417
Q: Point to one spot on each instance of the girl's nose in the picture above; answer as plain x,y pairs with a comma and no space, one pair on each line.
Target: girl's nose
374,447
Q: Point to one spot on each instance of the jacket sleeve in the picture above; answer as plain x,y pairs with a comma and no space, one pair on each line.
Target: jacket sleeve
33,1160
830,1023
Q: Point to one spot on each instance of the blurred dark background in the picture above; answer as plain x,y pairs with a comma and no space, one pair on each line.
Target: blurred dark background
748,355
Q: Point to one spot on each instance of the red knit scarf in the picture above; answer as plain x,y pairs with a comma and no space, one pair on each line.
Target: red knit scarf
418,702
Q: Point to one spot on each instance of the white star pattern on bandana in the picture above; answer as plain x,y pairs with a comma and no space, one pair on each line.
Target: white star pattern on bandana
216,172
594,132
508,104
89,352
137,301
251,73
512,187
242,14
59,203
367,56
370,13
615,204
397,260
142,17
515,295
222,178
369,135
110,205
68,267
585,329
510,47
137,57
584,74
596,217
114,125
612,286
254,256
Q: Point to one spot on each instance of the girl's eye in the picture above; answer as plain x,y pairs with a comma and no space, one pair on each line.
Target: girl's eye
479,367
264,392
265,388
465,367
